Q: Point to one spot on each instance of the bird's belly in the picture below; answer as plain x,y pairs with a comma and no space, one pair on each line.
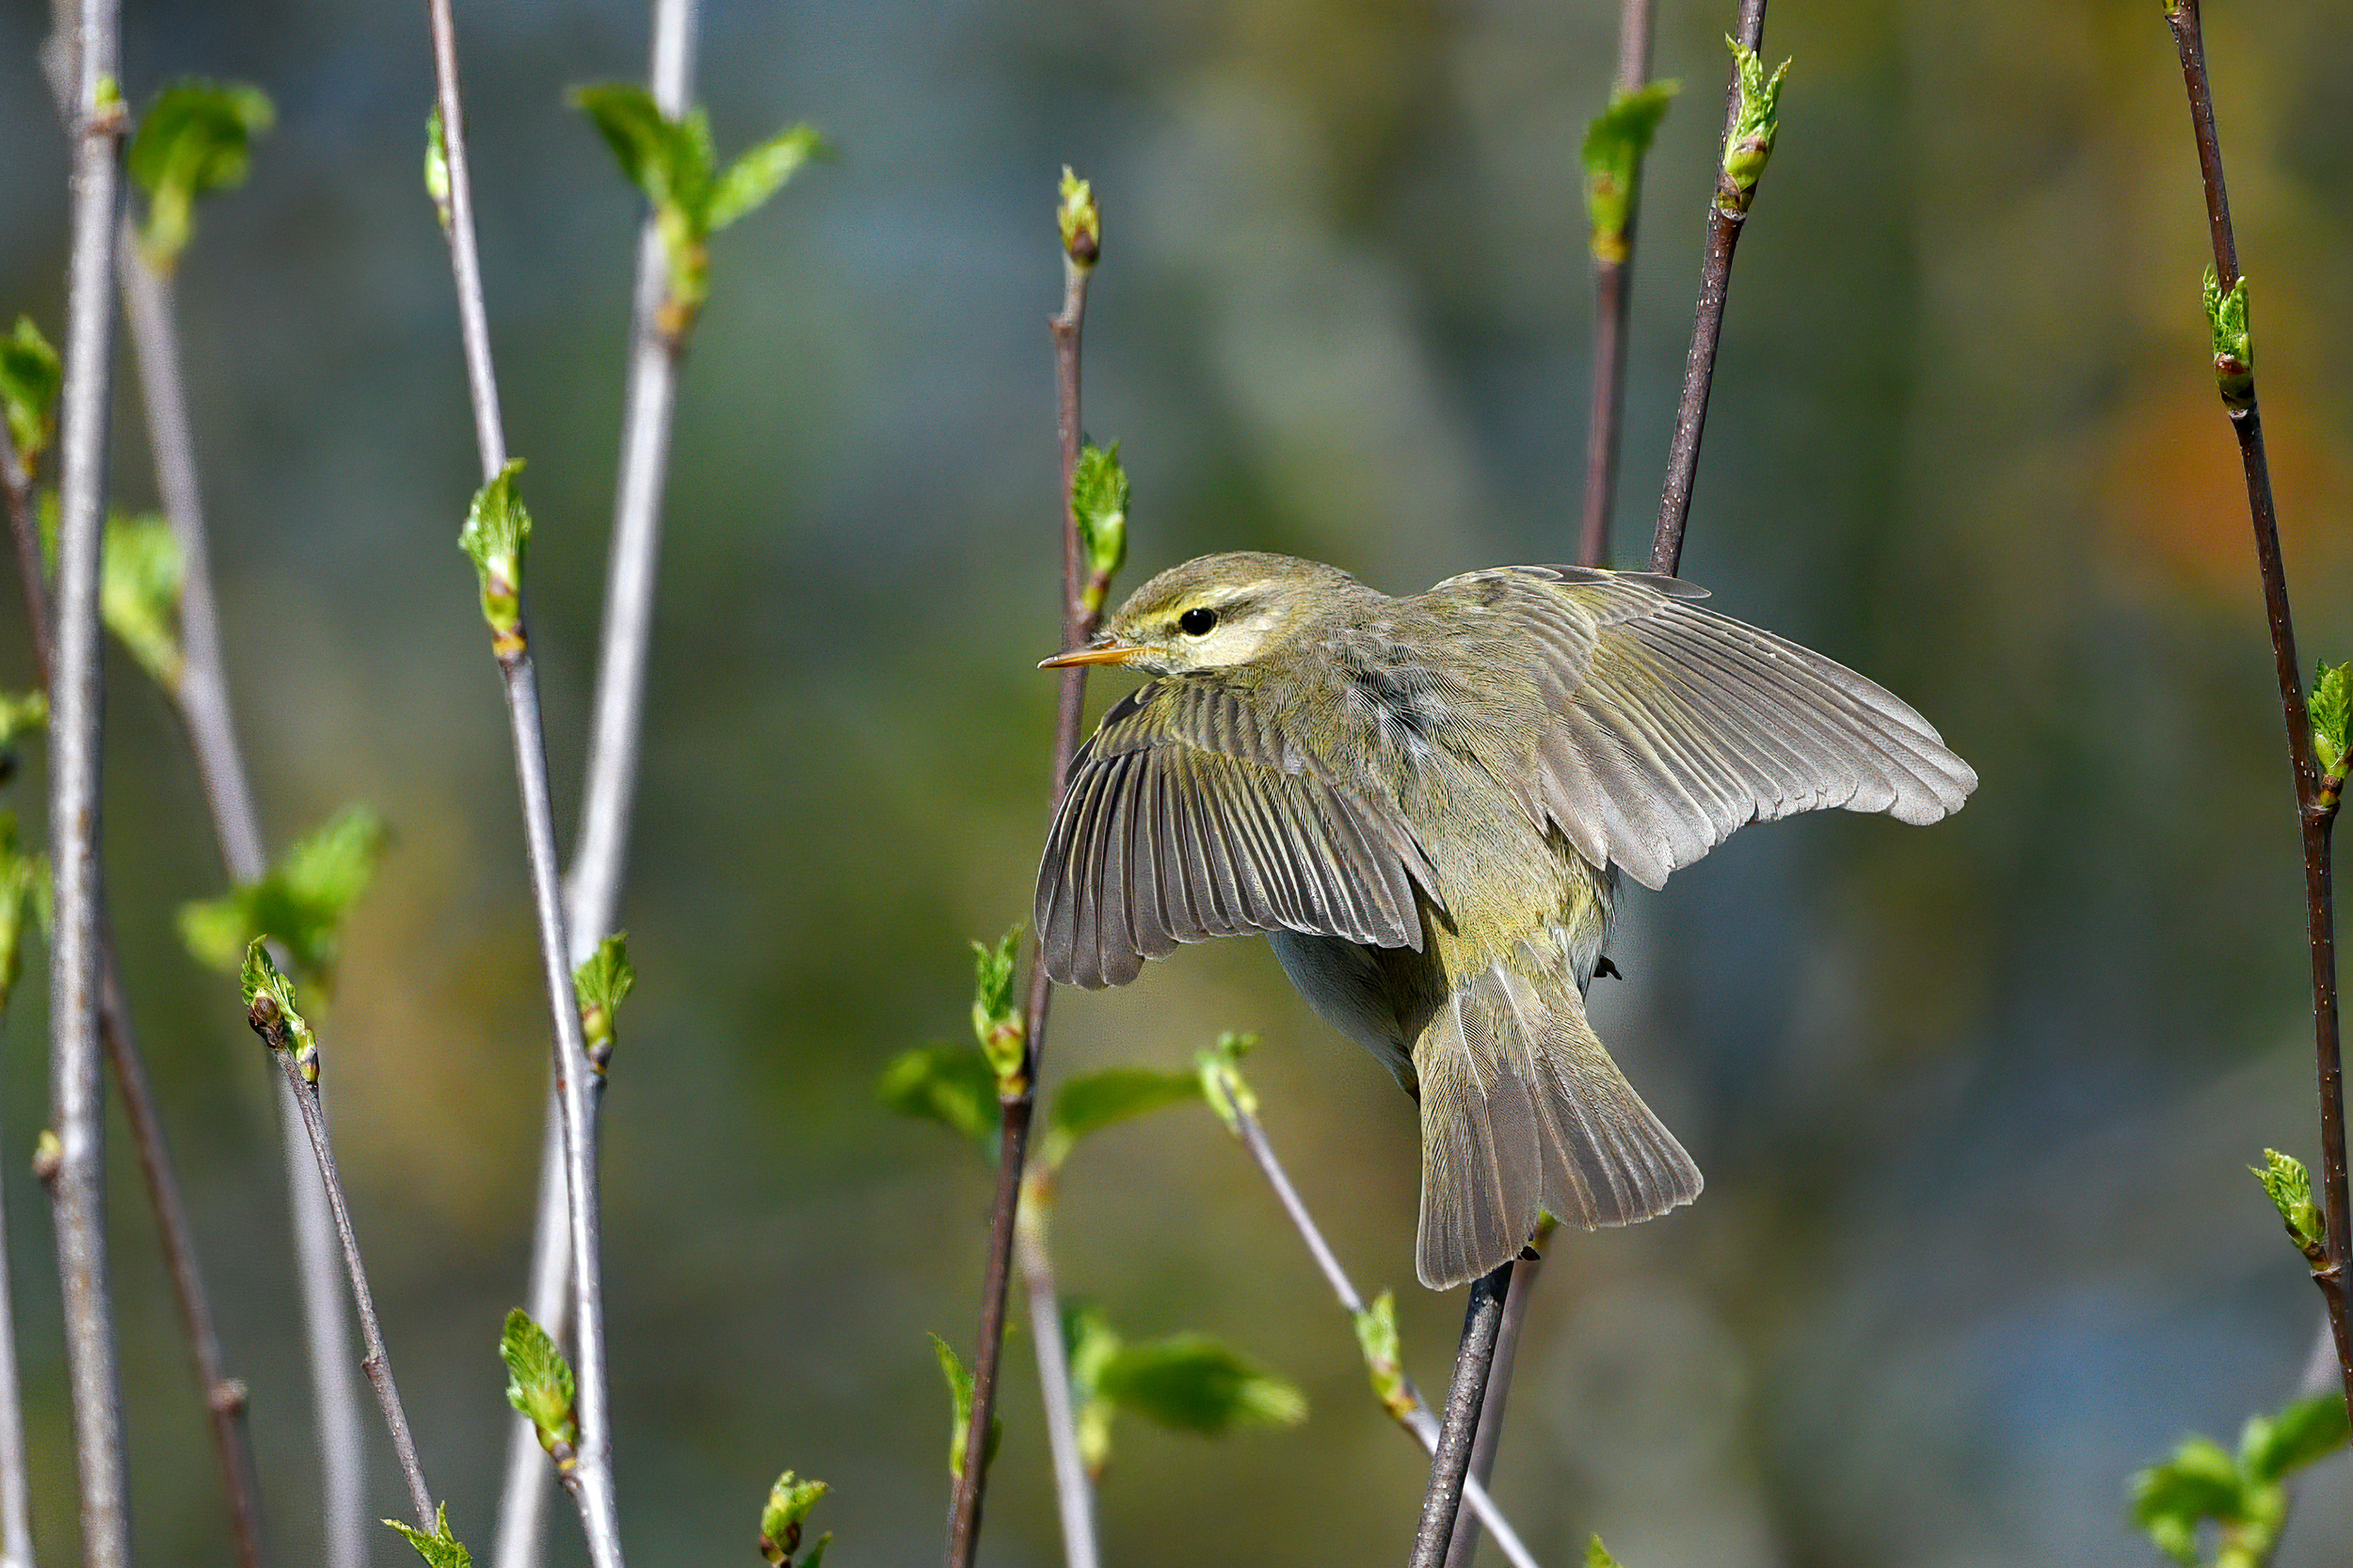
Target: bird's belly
1346,986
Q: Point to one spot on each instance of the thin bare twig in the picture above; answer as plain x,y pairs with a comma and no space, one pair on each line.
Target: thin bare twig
593,890
1449,1467
76,1170
2316,814
577,1084
964,1517
270,1024
1726,216
1489,1437
1408,1407
203,701
1074,1493
1613,293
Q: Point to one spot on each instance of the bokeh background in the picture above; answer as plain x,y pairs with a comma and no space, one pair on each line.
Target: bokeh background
1975,1103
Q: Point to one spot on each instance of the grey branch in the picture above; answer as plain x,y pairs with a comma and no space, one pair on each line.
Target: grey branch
77,1180
600,855
1074,1494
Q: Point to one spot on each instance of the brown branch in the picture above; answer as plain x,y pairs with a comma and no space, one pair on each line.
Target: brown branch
2314,817
964,1518
1482,1321
1727,214
1613,295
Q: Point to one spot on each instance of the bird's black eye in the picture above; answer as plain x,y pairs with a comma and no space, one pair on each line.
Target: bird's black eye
1197,622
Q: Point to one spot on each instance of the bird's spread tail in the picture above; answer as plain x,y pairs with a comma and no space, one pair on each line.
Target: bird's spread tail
1523,1109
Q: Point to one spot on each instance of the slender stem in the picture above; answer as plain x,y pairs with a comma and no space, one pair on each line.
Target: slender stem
16,1490
599,854
2315,816
1489,1436
202,701
1074,1494
1412,1413
1613,290
576,1083
77,1184
378,1365
963,1516
1726,216
1483,1323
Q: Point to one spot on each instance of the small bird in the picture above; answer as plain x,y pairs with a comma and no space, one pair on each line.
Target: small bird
1425,803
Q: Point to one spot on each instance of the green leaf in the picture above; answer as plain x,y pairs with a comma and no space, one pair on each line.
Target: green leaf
626,115
600,984
20,714
300,902
194,138
140,578
1598,1555
2272,1449
997,1024
1376,1337
759,172
440,1549
2290,1187
960,1395
789,1502
950,1084
1219,1071
20,875
497,529
540,1385
30,376
269,1002
2200,1483
1099,496
1756,120
2233,341
1090,1344
1096,1100
1615,144
1079,219
1191,1382
2332,706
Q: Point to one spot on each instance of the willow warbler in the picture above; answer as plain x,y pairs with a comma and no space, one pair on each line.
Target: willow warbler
1425,803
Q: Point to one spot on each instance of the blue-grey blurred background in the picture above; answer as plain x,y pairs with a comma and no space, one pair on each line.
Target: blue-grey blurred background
1975,1103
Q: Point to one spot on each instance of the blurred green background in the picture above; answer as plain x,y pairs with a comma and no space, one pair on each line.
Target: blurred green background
1975,1103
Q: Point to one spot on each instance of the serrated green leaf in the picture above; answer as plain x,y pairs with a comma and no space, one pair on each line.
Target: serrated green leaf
2290,1187
141,573
2331,705
440,1549
1099,496
998,1025
269,1000
195,137
1756,120
950,1085
2234,340
1218,1068
1615,144
960,1395
1191,1382
758,172
539,1384
2306,1431
497,530
301,902
30,376
601,984
1598,1555
781,1521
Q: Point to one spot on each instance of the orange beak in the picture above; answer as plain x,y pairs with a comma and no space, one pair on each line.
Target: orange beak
1105,652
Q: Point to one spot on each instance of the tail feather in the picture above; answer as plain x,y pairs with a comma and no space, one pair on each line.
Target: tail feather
1522,1110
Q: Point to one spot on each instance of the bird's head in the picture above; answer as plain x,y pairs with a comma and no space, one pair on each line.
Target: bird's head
1212,613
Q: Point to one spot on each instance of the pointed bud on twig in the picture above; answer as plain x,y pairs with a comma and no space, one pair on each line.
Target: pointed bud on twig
48,1157
789,1502
1376,1336
437,165
439,1549
1080,220
601,984
30,376
1222,1084
997,1021
269,1002
2234,342
960,1398
1100,494
2290,1189
2332,706
1756,120
539,1386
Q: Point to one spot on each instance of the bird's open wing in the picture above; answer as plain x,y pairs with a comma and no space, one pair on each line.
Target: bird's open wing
1187,818
1668,726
